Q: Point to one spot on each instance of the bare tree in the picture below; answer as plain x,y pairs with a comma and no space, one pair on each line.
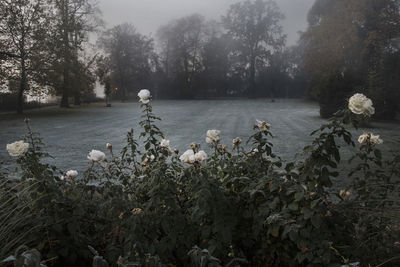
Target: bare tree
73,21
255,26
129,59
22,29
182,44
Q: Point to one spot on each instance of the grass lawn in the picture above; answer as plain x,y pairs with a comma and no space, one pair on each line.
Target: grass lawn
71,133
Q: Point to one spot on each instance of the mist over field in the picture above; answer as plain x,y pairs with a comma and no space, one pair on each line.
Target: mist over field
147,16
218,133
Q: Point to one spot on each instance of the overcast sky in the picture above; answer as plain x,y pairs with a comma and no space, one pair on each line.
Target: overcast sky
148,15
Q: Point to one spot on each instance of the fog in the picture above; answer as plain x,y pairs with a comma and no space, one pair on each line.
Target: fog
148,15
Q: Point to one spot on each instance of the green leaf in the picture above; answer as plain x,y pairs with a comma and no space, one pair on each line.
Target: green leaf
316,220
293,206
275,231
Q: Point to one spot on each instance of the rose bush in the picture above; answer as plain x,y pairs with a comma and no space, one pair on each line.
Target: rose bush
246,207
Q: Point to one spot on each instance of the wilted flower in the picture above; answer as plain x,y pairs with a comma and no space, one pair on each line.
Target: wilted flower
164,143
71,174
253,152
146,161
360,104
62,178
144,96
121,215
344,194
236,142
370,138
328,213
200,156
194,146
108,146
18,148
304,249
267,158
188,156
176,151
96,156
263,126
375,140
223,148
212,136
137,211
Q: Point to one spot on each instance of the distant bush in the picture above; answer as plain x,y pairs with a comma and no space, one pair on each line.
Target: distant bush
8,102
159,207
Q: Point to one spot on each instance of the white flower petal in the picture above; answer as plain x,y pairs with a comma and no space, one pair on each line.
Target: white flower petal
18,148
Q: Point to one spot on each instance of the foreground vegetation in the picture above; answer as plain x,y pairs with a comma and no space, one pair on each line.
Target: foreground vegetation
155,206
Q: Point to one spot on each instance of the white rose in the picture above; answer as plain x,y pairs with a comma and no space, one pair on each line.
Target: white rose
144,96
375,139
188,156
363,138
200,156
18,148
212,136
371,138
164,143
263,126
360,104
96,156
71,174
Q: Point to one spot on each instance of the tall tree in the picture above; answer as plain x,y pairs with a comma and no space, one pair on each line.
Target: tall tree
73,21
182,43
22,30
215,60
130,56
255,26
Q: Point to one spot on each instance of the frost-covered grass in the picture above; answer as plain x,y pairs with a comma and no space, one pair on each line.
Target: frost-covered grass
71,133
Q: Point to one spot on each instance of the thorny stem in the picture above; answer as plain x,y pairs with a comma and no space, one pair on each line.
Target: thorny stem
30,133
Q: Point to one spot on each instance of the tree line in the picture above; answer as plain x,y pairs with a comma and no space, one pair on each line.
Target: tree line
243,54
348,46
42,48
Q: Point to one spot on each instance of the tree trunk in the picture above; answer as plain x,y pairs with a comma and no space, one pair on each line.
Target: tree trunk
65,94
20,99
22,88
252,78
65,86
77,98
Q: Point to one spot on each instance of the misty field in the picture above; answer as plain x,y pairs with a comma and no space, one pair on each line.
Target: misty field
70,134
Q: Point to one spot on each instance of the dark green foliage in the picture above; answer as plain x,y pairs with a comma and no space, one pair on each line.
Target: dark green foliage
146,208
353,46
